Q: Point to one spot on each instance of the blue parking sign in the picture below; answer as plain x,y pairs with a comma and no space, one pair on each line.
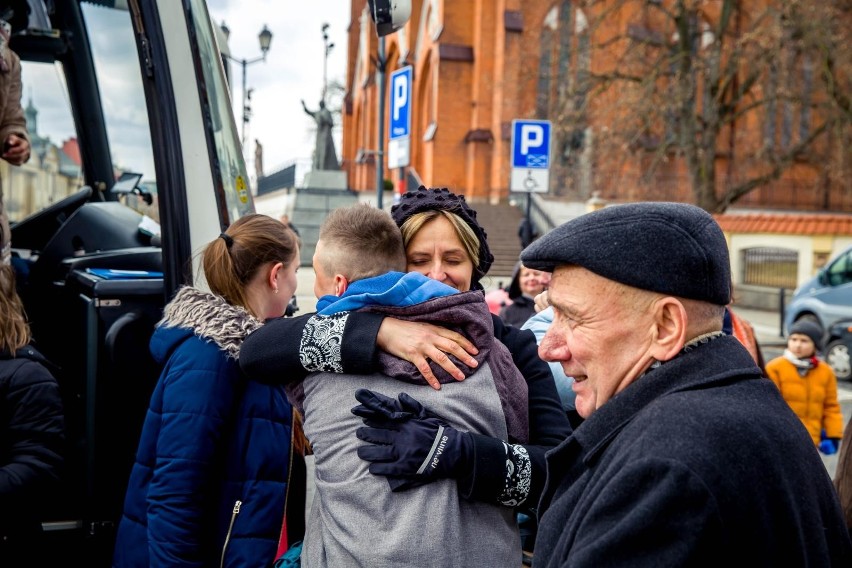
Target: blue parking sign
531,144
400,103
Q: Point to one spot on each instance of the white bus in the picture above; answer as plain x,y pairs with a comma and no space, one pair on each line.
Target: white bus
136,164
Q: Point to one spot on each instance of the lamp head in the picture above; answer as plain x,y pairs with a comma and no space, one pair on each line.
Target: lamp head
265,38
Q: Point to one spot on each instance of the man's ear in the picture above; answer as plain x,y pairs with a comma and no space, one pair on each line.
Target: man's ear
670,322
340,284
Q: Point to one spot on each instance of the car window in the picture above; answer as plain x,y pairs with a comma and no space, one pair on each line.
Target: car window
840,271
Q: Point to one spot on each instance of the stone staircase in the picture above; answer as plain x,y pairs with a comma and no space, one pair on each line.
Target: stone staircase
501,222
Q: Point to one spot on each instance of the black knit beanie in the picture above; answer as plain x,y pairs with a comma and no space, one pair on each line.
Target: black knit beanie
442,199
810,329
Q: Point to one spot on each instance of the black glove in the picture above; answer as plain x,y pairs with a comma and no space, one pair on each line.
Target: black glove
409,444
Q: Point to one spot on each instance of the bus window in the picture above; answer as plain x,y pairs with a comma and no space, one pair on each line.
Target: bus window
227,146
53,170
120,82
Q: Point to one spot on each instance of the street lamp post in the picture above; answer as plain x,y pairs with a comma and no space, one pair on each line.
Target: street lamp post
380,157
265,39
328,48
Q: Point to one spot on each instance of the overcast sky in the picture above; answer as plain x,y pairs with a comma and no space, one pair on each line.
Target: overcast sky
293,70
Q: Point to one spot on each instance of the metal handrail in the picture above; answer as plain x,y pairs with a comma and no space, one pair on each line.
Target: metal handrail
541,220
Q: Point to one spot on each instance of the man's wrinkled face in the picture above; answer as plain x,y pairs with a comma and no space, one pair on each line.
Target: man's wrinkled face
601,334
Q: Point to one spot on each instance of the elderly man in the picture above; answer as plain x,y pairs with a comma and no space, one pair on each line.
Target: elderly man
686,456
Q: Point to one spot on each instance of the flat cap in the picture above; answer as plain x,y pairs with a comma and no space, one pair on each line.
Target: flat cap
671,248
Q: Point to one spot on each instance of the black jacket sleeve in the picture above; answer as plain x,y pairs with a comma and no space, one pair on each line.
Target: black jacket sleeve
549,424
287,349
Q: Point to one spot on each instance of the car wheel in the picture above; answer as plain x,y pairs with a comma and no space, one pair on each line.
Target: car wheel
837,356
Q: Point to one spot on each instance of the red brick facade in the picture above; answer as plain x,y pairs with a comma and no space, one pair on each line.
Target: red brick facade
478,64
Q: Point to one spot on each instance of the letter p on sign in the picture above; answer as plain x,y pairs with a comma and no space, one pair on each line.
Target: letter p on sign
400,103
400,97
532,136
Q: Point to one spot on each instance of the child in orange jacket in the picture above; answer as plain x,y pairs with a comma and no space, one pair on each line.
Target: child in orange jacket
809,385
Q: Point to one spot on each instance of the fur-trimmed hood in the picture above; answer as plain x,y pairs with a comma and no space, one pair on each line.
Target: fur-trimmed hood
211,318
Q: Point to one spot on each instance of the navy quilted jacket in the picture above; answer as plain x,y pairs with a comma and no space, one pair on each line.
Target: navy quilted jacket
212,470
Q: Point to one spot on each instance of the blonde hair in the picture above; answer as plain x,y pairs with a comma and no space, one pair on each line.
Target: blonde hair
14,328
468,238
232,260
361,241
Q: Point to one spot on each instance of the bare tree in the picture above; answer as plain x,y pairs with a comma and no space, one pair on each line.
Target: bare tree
730,94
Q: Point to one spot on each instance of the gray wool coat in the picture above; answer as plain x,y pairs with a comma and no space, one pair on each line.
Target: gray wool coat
698,463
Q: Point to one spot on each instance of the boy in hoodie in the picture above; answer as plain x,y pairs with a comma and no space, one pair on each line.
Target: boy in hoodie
355,519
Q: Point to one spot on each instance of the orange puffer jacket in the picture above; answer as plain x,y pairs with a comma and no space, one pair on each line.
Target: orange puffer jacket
813,397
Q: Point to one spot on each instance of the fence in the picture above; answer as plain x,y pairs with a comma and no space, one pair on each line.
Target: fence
769,266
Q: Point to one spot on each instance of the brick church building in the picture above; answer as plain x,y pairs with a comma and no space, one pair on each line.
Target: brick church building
479,64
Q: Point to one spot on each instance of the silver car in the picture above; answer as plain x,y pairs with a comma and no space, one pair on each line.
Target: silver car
826,298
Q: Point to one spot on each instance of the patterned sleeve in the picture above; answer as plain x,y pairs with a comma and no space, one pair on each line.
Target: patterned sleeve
322,339
518,476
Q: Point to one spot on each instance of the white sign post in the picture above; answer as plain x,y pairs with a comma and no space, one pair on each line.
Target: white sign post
530,156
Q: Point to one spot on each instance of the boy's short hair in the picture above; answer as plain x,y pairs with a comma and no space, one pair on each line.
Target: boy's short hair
361,241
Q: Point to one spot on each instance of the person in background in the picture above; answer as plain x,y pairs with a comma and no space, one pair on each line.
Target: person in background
809,386
14,15
355,519
443,241
527,232
843,474
285,219
737,326
744,331
32,434
686,455
219,478
526,284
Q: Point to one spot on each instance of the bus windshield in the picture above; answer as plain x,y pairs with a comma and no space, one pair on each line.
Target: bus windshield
58,130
